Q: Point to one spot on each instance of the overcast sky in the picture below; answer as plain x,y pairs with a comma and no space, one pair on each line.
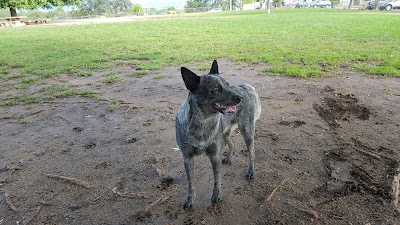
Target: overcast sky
160,3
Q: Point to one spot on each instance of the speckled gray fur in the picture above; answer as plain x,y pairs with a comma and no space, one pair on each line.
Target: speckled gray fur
205,120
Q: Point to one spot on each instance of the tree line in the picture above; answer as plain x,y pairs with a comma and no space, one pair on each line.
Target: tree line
83,7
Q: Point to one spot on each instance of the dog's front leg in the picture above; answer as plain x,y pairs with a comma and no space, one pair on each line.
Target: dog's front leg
189,167
216,166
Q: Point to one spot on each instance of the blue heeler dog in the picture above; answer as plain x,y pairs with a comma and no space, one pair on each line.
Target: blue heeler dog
210,113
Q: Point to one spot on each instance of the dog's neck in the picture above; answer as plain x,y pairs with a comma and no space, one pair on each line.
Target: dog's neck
199,126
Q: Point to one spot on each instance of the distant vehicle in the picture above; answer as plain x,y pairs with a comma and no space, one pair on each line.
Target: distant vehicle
382,4
370,5
217,9
321,4
394,4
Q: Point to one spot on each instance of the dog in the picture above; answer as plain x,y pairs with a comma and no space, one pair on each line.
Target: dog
212,110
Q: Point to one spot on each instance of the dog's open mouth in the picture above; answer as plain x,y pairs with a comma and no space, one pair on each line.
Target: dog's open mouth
225,108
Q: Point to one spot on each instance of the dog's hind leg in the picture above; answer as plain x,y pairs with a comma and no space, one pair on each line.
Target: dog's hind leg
248,136
189,167
231,146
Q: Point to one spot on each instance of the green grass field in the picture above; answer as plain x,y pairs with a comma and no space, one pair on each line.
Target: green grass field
294,42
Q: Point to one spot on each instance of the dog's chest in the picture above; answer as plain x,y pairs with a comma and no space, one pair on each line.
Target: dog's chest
202,135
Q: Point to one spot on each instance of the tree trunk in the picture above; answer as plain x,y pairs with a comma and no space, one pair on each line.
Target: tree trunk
351,2
13,12
268,6
376,4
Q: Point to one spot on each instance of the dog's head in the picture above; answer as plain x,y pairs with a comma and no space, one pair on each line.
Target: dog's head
212,92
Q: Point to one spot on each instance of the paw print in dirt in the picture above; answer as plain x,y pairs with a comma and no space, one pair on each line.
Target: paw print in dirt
214,210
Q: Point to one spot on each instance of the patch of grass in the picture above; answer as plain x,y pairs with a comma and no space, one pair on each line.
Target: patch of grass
83,74
97,66
111,78
389,90
6,103
21,86
57,91
154,65
28,80
312,36
23,121
294,70
162,76
87,92
291,42
10,76
138,73
111,105
378,70
203,68
28,98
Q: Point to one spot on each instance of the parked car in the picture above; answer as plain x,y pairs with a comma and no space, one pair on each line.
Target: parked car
217,9
370,5
382,4
321,4
394,4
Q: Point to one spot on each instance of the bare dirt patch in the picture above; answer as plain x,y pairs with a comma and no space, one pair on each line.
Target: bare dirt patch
326,153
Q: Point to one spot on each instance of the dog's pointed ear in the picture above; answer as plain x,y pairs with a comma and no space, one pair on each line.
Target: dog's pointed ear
214,68
192,81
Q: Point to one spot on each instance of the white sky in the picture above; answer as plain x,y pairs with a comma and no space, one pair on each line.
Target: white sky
160,3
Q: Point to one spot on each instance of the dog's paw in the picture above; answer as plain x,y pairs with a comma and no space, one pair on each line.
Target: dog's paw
249,175
188,205
215,199
227,161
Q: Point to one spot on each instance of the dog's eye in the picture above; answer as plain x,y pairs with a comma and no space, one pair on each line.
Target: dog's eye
215,89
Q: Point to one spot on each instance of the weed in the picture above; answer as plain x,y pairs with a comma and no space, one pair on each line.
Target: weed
389,90
83,74
6,103
111,105
57,91
162,76
88,93
27,80
138,73
203,68
21,86
29,99
23,121
111,78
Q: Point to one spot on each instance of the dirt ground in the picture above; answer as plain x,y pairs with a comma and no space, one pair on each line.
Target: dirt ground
326,153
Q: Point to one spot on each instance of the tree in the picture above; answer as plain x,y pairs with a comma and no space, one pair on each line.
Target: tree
268,6
351,3
121,6
227,4
197,3
34,4
94,7
137,9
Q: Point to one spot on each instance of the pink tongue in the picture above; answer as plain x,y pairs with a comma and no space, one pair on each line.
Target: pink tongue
232,108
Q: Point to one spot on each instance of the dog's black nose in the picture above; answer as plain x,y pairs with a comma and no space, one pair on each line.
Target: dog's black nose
237,98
